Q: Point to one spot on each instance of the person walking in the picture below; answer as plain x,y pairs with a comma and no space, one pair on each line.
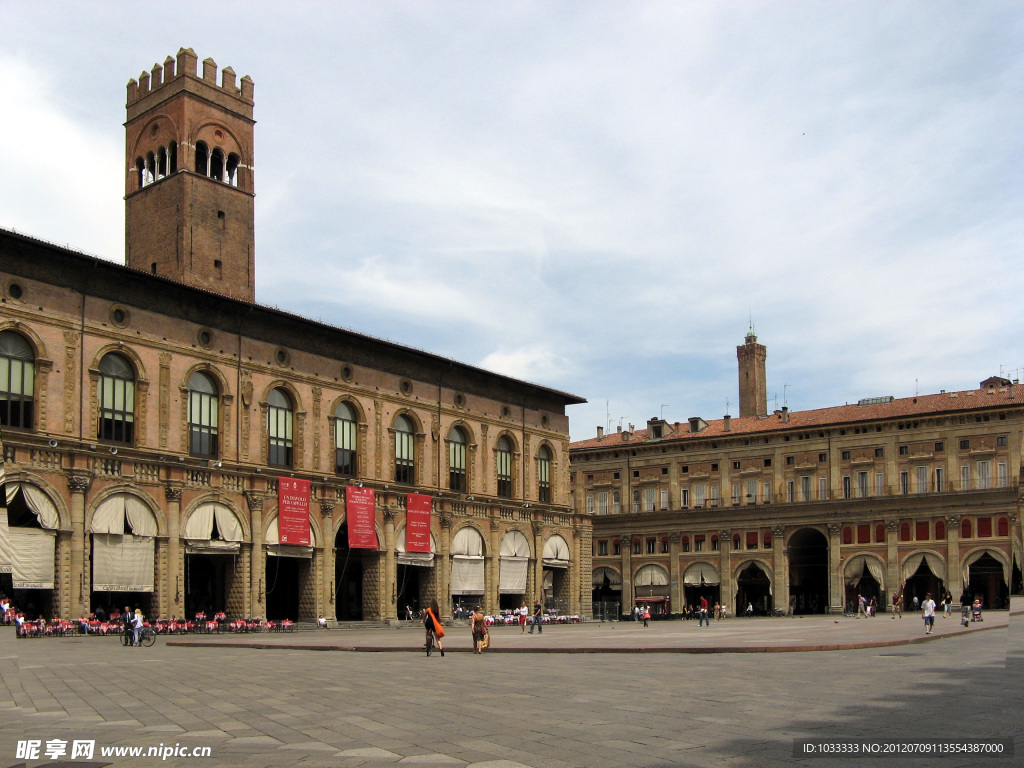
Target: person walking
137,626
523,611
702,619
432,623
862,604
947,604
928,612
897,605
647,615
538,615
478,628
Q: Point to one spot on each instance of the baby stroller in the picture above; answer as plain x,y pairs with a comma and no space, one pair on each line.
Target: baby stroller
965,615
976,611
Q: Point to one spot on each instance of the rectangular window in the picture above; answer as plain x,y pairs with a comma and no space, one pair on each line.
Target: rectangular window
845,455
984,473
862,485
1001,477
921,534
664,498
940,479
714,544
822,488
847,487
602,547
664,546
965,478
965,445
637,546
879,484
1001,441
752,540
698,495
789,491
751,491
904,482
698,543
616,548
767,495
602,503
650,546
879,453
590,503
649,498
616,503
714,494
921,479
684,498
985,526
805,488
863,534
904,450
735,494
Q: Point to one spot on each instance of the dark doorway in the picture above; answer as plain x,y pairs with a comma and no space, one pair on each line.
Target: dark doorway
987,582
922,583
865,586
808,572
753,588
283,576
408,588
348,579
206,584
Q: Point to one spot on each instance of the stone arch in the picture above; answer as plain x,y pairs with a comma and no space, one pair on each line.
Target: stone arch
316,540
760,562
34,341
47,488
124,351
223,386
651,574
289,388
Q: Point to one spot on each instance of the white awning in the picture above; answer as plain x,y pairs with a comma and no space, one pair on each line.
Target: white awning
199,525
277,549
600,574
701,573
122,563
37,501
912,563
556,552
512,572
31,554
111,514
468,542
424,559
515,544
975,556
5,543
854,570
467,575
651,576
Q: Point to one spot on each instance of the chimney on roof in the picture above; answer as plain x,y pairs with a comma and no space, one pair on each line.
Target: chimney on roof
618,428
727,423
785,414
600,433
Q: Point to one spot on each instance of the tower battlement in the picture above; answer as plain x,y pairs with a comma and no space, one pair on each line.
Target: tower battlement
162,81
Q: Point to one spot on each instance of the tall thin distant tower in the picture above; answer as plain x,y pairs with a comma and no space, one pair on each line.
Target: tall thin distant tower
753,391
189,182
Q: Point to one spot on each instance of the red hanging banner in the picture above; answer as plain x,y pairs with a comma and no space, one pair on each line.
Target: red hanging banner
360,514
417,522
293,511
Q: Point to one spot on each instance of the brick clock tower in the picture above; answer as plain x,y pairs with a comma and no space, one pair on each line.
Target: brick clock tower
753,390
189,183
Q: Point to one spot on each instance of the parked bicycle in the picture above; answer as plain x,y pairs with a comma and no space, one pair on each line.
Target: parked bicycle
146,637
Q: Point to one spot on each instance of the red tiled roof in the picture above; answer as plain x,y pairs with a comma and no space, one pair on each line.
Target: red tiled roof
906,407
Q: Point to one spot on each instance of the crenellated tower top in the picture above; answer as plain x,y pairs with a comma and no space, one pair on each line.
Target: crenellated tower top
189,175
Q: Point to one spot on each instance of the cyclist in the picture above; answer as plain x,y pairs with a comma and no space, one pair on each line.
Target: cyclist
432,623
137,625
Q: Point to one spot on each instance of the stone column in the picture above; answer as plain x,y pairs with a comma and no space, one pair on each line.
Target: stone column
576,574
675,578
444,565
538,564
80,586
894,581
727,591
390,586
835,569
492,570
626,550
954,582
780,570
257,590
327,532
173,588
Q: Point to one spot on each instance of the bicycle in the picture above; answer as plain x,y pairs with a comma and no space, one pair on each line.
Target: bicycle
146,637
431,642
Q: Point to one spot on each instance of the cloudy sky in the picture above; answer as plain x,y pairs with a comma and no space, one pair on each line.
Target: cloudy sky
593,196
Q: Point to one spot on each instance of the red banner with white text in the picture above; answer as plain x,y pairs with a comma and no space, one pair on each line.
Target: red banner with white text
293,511
417,522
360,515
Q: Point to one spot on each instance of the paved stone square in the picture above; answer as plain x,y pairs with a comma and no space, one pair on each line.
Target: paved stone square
281,706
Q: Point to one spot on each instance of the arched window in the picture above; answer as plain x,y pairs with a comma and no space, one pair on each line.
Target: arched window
767,540
616,503
150,168
345,441
202,158
161,163
203,415
504,467
940,530
116,395
684,544
405,451
457,460
736,542
140,171
1003,526
172,153
544,475
217,164
17,381
279,428
232,169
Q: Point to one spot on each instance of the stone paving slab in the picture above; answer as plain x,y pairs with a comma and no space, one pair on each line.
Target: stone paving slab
283,707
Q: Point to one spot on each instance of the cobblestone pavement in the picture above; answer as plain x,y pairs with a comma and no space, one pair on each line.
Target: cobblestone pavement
277,707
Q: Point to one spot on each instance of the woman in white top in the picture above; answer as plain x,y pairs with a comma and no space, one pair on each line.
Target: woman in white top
137,625
523,612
